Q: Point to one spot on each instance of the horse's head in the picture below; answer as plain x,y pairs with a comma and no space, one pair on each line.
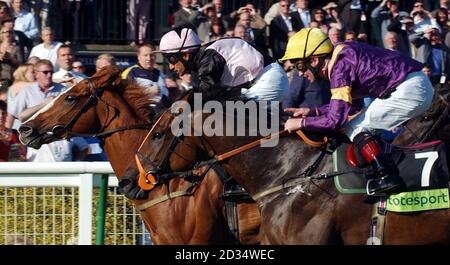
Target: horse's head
166,148
73,111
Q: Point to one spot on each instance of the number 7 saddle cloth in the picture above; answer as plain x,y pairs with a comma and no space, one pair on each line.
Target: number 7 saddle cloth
422,167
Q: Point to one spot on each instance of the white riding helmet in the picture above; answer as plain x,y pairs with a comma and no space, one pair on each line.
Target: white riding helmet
175,41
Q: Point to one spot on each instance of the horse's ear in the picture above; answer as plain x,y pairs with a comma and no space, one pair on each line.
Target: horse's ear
107,76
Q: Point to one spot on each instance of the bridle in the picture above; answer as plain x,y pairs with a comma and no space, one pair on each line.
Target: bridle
61,131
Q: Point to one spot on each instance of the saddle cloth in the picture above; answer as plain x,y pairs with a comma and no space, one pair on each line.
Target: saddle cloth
421,167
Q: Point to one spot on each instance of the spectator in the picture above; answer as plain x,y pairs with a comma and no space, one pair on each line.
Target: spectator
301,18
404,28
255,36
217,29
335,36
427,70
78,67
280,30
32,98
137,20
387,13
20,38
431,50
66,75
4,10
10,146
240,31
218,5
33,60
74,149
318,16
441,17
422,18
4,84
204,27
145,73
256,21
94,151
48,48
391,41
352,15
103,60
274,11
10,55
187,16
350,36
25,21
23,77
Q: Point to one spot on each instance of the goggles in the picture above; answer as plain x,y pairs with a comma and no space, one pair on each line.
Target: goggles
302,65
173,58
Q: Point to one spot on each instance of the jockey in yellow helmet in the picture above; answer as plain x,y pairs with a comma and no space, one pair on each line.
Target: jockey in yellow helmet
356,70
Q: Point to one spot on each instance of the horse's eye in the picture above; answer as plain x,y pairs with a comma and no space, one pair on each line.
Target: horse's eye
70,99
157,135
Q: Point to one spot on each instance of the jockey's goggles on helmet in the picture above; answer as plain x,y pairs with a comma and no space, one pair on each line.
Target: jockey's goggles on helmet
173,58
302,65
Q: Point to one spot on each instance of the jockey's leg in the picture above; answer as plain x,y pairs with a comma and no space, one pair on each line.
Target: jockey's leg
410,99
385,172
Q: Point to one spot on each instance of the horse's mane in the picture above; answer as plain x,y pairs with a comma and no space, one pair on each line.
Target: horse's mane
139,99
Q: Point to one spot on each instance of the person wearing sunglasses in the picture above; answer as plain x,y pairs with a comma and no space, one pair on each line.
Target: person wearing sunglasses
34,97
224,67
356,70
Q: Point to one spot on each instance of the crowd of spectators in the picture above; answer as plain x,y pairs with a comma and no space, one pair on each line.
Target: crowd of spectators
34,70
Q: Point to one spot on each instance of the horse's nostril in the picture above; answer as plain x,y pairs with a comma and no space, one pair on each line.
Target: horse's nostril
25,130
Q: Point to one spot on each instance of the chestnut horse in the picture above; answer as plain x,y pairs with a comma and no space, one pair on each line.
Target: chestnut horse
119,112
296,207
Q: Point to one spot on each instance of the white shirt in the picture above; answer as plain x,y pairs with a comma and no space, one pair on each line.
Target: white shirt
26,23
57,151
62,74
288,22
32,96
304,16
44,53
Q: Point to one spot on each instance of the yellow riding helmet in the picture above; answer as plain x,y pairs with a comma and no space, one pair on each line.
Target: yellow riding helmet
306,43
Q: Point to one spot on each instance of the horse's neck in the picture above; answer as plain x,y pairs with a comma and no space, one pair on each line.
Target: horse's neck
121,146
262,168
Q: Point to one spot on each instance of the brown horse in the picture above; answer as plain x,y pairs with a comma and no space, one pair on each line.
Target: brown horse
119,112
310,210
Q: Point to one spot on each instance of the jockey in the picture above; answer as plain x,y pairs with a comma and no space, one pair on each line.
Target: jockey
225,65
356,70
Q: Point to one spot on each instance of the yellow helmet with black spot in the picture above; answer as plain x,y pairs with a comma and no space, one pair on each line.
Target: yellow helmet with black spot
307,43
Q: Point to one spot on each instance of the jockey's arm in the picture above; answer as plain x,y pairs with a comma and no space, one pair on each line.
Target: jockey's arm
210,70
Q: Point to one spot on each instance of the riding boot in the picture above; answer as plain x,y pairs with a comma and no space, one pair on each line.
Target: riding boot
385,177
